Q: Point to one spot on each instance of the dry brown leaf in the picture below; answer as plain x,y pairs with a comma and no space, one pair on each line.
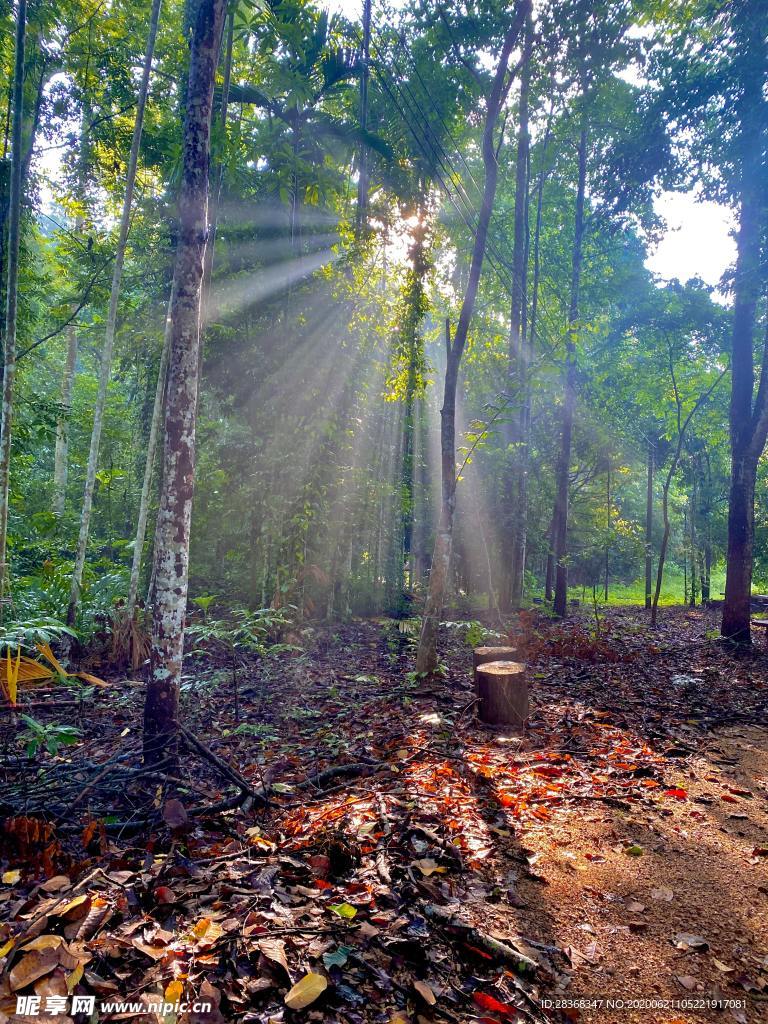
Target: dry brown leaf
274,949
33,966
425,992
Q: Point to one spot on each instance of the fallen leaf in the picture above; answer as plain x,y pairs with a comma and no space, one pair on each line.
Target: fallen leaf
486,1002
345,910
687,981
174,991
427,866
686,941
274,950
425,992
11,877
175,816
306,991
33,966
723,968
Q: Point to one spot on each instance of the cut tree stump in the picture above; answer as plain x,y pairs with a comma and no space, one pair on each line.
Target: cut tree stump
502,687
482,655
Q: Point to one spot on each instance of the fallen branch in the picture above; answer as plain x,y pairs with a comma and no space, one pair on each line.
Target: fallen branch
519,962
226,770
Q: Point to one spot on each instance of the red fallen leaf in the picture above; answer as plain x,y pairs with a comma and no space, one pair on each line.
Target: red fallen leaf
165,895
728,799
320,883
678,794
478,952
548,770
486,1002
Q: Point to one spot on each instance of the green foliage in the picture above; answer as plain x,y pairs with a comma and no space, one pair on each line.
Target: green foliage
46,736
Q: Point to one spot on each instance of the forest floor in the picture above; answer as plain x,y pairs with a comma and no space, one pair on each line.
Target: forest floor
408,865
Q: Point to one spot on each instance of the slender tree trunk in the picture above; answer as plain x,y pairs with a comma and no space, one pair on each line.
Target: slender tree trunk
664,540
519,353
412,350
109,336
14,236
426,656
682,427
61,454
649,528
694,556
569,399
607,528
748,413
149,465
175,511
361,213
213,218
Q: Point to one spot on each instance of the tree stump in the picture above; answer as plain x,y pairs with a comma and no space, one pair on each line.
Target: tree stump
482,655
502,687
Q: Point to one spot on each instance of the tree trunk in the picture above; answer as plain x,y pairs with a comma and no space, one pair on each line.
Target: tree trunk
741,529
175,511
748,413
569,399
411,349
61,455
109,335
361,213
426,657
649,529
607,529
694,556
149,465
518,357
14,236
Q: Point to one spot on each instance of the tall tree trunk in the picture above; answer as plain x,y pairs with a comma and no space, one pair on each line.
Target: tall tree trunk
519,354
649,528
607,528
175,512
694,556
14,236
748,413
61,453
682,427
149,465
361,213
411,350
109,336
563,474
426,656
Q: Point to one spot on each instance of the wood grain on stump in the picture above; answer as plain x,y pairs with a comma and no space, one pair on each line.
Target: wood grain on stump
502,687
481,655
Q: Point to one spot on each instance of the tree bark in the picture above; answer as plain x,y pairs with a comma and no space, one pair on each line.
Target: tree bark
569,399
426,657
111,327
14,236
61,454
175,512
649,529
519,352
748,413
149,466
